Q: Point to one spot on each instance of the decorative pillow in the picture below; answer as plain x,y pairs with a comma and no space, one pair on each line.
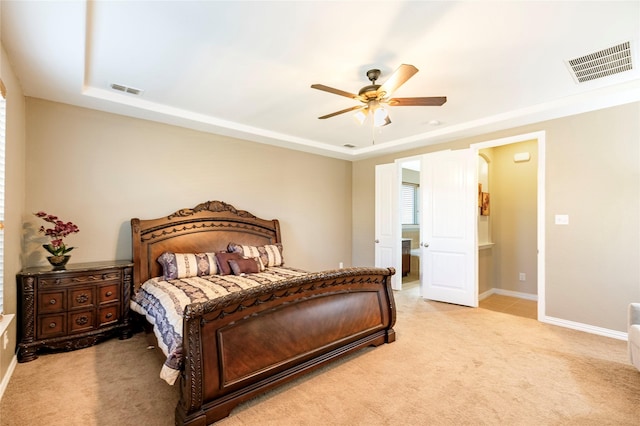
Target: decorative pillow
222,259
271,254
245,266
260,264
186,265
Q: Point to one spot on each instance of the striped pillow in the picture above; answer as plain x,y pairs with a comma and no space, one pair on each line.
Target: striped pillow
186,265
270,254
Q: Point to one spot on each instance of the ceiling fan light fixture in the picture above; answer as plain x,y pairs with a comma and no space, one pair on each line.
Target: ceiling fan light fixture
374,96
381,117
361,116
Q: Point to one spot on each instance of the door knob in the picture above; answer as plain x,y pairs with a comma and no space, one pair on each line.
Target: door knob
377,241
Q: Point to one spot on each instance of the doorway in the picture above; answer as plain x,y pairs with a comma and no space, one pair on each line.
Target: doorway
513,277
533,281
410,199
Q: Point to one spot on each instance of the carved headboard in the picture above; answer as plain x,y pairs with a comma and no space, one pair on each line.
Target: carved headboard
206,228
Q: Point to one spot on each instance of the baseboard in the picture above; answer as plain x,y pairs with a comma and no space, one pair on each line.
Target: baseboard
510,293
586,328
7,377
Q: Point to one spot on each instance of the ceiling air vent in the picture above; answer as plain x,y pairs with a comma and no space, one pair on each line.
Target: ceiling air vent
125,89
603,63
348,145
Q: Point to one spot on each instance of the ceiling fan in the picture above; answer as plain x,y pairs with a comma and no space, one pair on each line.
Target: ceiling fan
375,96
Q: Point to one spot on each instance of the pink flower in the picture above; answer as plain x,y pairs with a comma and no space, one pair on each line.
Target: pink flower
57,233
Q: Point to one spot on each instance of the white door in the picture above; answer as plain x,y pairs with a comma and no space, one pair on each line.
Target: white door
387,222
449,255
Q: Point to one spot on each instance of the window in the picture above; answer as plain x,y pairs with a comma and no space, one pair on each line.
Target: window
409,214
3,120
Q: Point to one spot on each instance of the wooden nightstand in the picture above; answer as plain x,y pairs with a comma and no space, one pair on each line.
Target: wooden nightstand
72,308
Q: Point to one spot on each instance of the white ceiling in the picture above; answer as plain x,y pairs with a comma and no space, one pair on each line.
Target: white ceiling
244,69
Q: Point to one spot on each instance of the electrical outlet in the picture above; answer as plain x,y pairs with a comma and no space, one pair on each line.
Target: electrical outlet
523,276
341,265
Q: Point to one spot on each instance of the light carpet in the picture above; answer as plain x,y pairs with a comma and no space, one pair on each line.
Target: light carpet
450,365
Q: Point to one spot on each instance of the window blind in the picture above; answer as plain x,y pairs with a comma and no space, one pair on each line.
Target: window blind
409,213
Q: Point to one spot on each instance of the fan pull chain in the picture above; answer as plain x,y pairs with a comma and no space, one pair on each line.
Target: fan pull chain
373,134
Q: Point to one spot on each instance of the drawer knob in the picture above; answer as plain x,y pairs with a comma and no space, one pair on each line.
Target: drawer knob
109,293
52,325
82,320
82,298
52,301
109,315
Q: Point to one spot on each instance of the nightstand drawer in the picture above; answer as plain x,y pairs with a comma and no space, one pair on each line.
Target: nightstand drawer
81,297
111,276
51,302
81,321
80,278
107,315
52,325
108,293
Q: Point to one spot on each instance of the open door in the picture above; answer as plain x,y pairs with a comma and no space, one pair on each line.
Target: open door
387,227
449,255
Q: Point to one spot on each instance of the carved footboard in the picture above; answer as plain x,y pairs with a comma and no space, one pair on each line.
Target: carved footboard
251,341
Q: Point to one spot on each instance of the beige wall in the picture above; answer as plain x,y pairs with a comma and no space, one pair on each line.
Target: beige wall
99,170
486,279
514,217
14,200
593,175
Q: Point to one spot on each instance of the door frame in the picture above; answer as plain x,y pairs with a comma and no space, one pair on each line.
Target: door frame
399,162
540,137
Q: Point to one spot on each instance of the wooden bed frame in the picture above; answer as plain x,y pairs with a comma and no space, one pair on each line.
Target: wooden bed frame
248,342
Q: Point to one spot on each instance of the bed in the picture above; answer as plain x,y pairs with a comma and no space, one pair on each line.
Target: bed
256,337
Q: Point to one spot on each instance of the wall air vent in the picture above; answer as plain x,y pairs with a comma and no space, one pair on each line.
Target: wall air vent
603,63
125,89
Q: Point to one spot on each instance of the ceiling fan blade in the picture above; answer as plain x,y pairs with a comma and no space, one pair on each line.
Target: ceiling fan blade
334,91
397,79
333,114
427,101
